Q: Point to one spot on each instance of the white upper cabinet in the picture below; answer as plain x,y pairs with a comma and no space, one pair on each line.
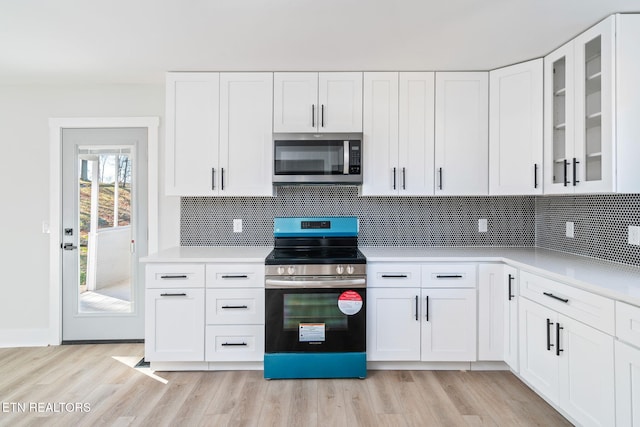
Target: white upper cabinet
416,138
380,134
246,156
398,133
192,106
317,102
461,133
591,108
515,129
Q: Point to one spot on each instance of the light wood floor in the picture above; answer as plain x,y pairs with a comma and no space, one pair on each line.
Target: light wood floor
101,376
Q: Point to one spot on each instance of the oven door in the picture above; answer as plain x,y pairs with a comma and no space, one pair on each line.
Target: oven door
315,319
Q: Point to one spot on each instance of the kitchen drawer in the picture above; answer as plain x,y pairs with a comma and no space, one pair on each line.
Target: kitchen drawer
234,343
235,275
449,275
628,323
174,275
594,310
385,275
235,306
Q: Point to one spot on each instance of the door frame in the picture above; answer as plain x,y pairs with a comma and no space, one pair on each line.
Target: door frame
55,202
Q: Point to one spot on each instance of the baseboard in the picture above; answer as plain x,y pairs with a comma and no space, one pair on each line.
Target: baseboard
83,342
24,338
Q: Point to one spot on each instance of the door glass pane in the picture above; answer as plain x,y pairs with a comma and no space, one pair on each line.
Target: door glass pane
301,308
105,240
593,110
559,120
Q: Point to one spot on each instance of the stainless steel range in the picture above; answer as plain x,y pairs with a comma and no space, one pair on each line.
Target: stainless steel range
315,300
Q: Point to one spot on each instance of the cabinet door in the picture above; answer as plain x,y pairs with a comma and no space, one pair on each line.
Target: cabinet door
594,91
174,325
192,134
586,373
380,134
340,99
449,325
246,154
539,365
515,129
491,307
393,324
559,124
295,102
627,385
511,298
462,134
415,137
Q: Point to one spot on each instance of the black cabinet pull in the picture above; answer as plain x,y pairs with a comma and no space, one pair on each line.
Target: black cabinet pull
448,276
234,306
226,344
575,171
173,295
404,179
322,115
550,295
440,178
394,276
222,179
417,319
566,164
427,310
535,175
558,329
510,280
234,276
213,178
313,115
176,276
549,345
394,178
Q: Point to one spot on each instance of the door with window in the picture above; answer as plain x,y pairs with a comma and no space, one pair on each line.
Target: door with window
103,233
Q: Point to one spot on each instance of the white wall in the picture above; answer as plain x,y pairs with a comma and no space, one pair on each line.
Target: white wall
24,173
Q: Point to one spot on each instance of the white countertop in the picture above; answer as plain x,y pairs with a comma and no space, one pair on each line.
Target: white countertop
210,254
605,278
609,279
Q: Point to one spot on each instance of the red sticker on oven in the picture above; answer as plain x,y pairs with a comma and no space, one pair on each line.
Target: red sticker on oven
350,302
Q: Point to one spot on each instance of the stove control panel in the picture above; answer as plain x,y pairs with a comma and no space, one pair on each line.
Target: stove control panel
316,269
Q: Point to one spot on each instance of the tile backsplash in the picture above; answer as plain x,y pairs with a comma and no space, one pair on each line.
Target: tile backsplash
600,221
600,225
384,221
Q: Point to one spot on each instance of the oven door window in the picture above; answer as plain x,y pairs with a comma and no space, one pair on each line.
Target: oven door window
311,320
309,157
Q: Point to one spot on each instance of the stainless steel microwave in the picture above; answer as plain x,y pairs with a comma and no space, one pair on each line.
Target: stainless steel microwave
317,158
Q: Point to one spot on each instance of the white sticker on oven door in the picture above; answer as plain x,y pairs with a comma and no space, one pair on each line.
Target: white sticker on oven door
309,332
350,302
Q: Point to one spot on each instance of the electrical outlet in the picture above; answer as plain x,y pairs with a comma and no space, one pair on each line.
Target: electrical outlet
237,226
482,225
46,229
569,230
634,235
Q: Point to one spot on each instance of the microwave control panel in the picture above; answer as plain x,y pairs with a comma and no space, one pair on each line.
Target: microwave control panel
354,158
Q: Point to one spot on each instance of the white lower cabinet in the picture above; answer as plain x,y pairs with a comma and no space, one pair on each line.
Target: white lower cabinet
627,385
241,343
174,325
393,325
407,321
449,325
569,363
511,322
491,309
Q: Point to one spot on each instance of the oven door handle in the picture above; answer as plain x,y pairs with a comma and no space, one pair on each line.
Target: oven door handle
316,283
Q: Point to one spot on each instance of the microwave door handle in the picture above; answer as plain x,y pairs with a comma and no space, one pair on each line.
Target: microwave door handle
345,168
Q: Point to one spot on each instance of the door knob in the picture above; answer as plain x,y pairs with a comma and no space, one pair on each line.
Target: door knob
69,247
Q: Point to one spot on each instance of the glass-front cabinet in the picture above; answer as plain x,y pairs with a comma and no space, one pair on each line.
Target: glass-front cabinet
579,107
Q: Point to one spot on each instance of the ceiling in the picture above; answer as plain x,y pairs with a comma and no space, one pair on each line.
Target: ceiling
136,41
